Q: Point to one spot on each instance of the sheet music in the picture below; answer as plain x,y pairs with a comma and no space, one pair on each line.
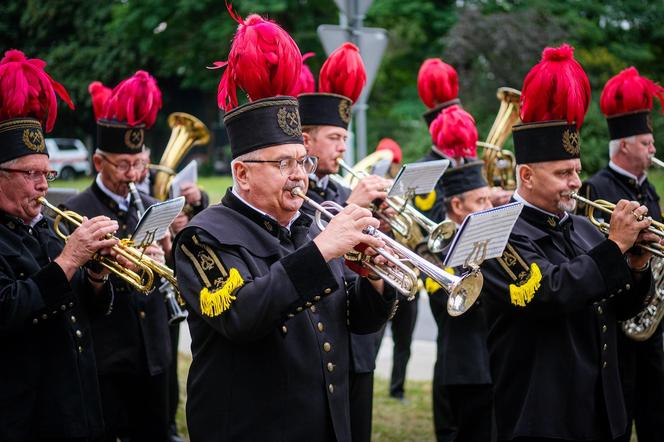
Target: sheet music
187,175
418,178
154,223
483,235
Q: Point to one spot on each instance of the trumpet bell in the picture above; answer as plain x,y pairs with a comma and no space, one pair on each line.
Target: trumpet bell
464,293
439,236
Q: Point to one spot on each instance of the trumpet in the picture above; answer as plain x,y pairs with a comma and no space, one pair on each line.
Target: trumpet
655,227
407,216
463,290
657,162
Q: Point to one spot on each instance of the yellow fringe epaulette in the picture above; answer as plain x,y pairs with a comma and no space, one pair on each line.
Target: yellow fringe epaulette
524,293
214,303
425,203
431,286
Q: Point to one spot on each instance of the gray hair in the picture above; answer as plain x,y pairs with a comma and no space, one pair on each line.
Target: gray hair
253,155
614,145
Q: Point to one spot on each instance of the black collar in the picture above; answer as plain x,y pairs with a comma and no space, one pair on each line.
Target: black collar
106,200
631,183
543,220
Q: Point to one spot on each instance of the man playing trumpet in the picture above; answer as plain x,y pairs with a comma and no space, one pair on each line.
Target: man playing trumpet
270,310
626,101
132,344
553,298
49,389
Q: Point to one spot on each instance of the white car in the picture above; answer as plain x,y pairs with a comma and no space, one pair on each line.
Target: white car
69,157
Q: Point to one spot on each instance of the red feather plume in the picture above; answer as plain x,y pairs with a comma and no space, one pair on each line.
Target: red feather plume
100,95
26,90
305,83
343,72
556,88
264,61
437,82
628,91
391,145
135,100
454,133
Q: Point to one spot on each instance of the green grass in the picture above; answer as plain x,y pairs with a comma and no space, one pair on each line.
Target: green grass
392,420
215,186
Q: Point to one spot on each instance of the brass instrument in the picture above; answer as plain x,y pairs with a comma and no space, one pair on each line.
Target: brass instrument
167,286
187,132
463,290
655,227
404,224
657,162
643,325
499,163
141,281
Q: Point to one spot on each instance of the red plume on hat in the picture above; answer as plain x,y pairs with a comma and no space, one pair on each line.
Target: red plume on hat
135,100
26,90
343,73
627,92
264,61
305,83
100,95
437,82
391,145
556,88
454,132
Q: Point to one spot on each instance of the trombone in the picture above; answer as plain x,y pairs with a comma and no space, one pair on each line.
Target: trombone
143,280
462,290
438,234
655,227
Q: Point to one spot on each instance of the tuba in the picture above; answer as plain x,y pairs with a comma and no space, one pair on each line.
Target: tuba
500,163
187,131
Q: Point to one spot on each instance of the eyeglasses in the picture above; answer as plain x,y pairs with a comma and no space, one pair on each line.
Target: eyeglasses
287,166
34,175
126,166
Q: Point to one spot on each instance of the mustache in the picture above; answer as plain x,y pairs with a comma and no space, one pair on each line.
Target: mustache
290,185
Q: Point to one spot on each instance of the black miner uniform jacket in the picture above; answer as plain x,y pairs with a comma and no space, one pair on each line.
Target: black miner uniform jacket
49,379
462,355
269,321
552,307
134,338
364,348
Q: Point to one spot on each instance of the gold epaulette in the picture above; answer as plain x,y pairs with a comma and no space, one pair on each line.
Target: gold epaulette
526,278
219,285
425,203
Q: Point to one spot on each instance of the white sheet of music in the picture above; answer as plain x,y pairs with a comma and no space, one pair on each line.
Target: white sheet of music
154,223
418,178
187,175
483,235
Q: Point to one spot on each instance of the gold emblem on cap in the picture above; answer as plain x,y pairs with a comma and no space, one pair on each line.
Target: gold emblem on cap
34,139
571,142
289,122
134,138
344,111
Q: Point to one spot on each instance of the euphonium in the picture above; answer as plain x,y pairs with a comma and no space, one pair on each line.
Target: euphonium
655,227
643,325
462,290
407,216
500,163
187,131
142,280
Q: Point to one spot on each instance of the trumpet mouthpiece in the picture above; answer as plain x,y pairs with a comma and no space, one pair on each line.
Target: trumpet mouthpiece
296,191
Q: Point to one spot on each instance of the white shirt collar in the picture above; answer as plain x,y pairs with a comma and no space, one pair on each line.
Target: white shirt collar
290,223
522,200
36,219
122,201
623,172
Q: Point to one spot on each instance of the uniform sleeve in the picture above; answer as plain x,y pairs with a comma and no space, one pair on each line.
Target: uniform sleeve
33,298
525,281
218,285
368,309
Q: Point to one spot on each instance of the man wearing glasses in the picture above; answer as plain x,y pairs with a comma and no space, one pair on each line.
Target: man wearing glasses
132,344
49,387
